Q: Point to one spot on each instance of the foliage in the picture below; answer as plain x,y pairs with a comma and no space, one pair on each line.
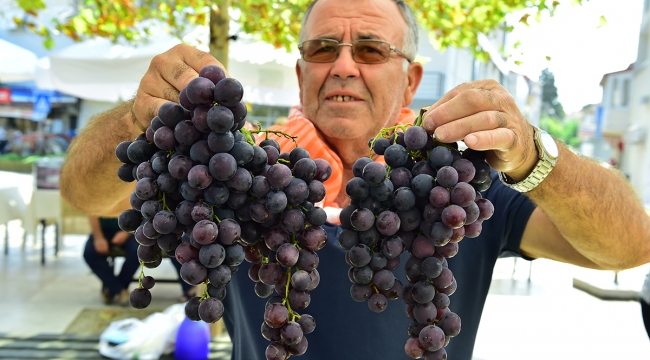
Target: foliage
565,131
455,23
551,106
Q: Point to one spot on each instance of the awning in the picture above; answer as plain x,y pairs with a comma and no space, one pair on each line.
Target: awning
16,63
100,70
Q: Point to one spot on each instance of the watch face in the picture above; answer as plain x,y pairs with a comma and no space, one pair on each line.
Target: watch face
549,145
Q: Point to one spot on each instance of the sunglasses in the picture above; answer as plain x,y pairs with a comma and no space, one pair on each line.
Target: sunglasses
364,51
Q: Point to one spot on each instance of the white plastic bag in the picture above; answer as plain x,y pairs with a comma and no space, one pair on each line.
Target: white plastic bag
146,339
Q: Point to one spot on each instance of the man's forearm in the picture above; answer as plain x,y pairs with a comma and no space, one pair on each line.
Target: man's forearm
89,179
596,211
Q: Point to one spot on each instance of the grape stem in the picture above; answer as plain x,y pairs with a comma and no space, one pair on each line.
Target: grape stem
248,134
285,301
215,217
418,121
141,276
374,287
164,202
386,134
205,292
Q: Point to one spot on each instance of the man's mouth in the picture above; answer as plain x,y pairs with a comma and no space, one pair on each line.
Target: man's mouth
340,98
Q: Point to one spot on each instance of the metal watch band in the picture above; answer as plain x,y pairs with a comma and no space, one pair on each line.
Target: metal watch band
539,173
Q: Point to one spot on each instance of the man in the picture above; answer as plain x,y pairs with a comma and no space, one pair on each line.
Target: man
584,214
106,233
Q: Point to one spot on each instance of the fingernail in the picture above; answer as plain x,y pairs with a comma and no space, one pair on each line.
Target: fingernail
441,134
471,140
427,123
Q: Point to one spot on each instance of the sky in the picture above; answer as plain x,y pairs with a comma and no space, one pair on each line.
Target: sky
580,51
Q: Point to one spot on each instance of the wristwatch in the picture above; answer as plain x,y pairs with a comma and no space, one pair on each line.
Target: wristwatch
548,153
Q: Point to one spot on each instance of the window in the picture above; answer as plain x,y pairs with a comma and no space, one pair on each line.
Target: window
625,93
614,101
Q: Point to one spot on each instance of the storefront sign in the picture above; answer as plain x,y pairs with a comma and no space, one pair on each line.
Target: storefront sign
5,96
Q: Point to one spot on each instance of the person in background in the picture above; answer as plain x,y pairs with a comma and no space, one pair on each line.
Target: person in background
106,234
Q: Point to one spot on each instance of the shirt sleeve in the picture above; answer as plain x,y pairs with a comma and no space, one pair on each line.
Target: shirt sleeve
512,210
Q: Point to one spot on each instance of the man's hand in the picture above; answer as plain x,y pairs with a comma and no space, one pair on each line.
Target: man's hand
484,115
101,245
168,73
120,238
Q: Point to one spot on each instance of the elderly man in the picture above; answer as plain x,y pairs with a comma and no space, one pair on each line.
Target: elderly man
356,76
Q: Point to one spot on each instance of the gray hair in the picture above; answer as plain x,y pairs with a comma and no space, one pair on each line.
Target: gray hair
411,34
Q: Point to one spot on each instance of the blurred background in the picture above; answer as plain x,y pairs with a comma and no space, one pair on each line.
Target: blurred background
578,69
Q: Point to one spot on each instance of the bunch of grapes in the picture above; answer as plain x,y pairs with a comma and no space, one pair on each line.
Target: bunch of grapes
209,196
424,201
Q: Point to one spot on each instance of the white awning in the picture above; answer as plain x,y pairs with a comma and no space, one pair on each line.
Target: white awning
100,70
16,63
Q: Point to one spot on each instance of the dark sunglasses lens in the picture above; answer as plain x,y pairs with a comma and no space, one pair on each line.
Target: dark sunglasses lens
319,51
371,52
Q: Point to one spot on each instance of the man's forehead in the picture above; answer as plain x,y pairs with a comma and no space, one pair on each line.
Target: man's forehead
360,35
363,19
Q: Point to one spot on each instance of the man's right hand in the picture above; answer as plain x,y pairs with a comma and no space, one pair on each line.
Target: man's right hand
101,246
168,73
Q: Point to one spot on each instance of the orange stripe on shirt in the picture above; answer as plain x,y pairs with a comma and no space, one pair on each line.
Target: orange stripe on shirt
311,139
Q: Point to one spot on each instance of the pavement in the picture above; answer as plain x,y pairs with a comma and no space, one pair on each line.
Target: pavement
541,318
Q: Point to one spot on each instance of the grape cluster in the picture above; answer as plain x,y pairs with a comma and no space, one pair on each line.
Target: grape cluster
286,233
424,201
200,174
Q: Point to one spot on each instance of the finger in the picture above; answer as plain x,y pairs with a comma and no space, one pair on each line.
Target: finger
167,75
469,102
196,60
501,139
457,130
489,84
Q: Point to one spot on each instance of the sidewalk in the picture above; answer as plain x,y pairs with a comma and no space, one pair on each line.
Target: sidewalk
549,319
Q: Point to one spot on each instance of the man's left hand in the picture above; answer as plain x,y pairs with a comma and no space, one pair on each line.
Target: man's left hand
485,116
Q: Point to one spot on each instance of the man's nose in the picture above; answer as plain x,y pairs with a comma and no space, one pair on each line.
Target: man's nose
344,65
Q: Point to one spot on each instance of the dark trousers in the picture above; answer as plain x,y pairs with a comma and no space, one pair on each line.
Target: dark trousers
645,312
186,287
99,264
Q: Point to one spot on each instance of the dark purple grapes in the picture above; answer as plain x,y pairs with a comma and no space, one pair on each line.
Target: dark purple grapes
200,175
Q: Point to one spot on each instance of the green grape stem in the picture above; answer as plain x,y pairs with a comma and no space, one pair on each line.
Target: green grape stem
249,133
285,301
141,276
215,217
205,292
386,134
164,202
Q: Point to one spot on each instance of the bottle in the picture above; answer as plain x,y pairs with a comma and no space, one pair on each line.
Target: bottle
192,340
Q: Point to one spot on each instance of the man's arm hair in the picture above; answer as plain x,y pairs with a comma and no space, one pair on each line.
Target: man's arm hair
89,179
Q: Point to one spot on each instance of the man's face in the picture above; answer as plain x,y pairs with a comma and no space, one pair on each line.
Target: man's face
343,99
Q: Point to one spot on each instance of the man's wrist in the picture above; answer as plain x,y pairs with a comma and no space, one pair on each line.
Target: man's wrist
130,120
522,172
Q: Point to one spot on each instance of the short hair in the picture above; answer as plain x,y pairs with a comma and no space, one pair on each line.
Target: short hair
411,35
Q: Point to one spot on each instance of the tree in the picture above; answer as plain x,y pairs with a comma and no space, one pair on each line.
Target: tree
551,106
454,23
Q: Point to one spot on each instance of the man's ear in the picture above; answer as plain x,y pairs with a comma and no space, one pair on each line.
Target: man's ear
413,78
299,74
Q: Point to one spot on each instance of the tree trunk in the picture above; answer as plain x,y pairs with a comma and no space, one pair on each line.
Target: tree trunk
219,30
